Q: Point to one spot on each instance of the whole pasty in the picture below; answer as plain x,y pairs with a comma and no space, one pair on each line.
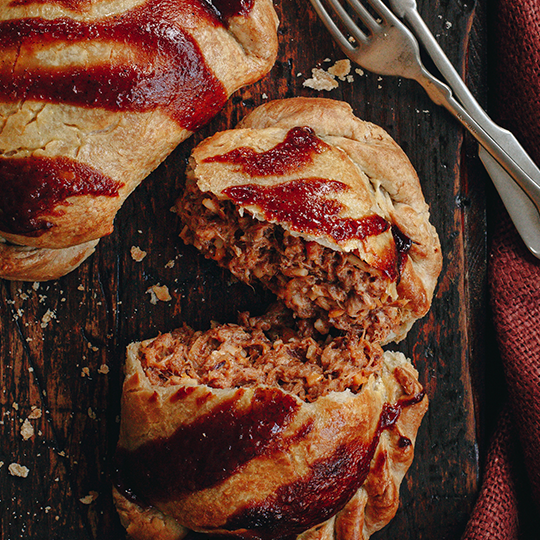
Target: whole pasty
237,431
321,207
94,95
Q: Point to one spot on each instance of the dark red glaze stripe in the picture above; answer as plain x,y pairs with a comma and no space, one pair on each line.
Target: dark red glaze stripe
300,505
73,5
294,152
209,450
303,204
231,8
171,74
404,442
32,188
223,8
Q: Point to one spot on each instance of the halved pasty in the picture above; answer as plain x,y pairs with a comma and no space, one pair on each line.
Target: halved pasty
237,431
323,208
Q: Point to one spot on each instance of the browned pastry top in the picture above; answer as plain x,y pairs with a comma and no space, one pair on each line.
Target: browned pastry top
256,460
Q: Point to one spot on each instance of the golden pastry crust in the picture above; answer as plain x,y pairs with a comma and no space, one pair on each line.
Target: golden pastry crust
351,189
101,151
24,263
146,523
330,468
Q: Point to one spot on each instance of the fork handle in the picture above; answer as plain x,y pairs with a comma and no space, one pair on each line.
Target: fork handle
423,33
520,208
499,142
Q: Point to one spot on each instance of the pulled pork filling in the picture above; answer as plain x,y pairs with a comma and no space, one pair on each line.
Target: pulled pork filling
248,354
331,287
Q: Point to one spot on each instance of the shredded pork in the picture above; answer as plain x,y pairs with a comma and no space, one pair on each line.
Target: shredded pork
250,354
331,287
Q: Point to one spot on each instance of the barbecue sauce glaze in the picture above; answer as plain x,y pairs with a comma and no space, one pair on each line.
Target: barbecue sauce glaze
207,451
304,204
171,76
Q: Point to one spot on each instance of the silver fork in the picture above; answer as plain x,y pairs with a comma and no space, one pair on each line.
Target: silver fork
387,47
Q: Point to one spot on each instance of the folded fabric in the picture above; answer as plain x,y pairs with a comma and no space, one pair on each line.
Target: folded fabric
504,509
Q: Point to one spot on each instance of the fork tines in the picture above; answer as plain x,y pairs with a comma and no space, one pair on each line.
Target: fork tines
346,19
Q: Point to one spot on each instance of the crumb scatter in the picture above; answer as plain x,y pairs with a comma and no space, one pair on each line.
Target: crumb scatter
27,430
159,293
90,498
137,254
321,80
47,318
103,369
16,469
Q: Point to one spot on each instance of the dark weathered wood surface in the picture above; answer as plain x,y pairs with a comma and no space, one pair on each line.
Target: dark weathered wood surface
62,343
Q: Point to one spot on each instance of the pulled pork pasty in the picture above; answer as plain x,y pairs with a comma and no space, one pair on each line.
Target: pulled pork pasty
240,432
94,95
323,208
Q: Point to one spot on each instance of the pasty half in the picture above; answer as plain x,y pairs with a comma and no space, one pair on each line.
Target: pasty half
235,431
321,207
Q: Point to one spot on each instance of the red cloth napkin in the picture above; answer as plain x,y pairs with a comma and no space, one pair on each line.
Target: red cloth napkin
509,502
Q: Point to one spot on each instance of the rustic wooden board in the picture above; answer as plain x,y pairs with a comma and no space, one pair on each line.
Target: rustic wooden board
62,343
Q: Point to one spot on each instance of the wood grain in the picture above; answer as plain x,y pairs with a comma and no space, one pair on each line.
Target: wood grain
62,343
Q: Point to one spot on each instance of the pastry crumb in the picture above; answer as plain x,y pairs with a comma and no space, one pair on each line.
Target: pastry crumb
85,372
27,430
340,69
170,264
321,80
137,254
35,413
103,369
90,498
159,293
15,469
328,79
47,318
